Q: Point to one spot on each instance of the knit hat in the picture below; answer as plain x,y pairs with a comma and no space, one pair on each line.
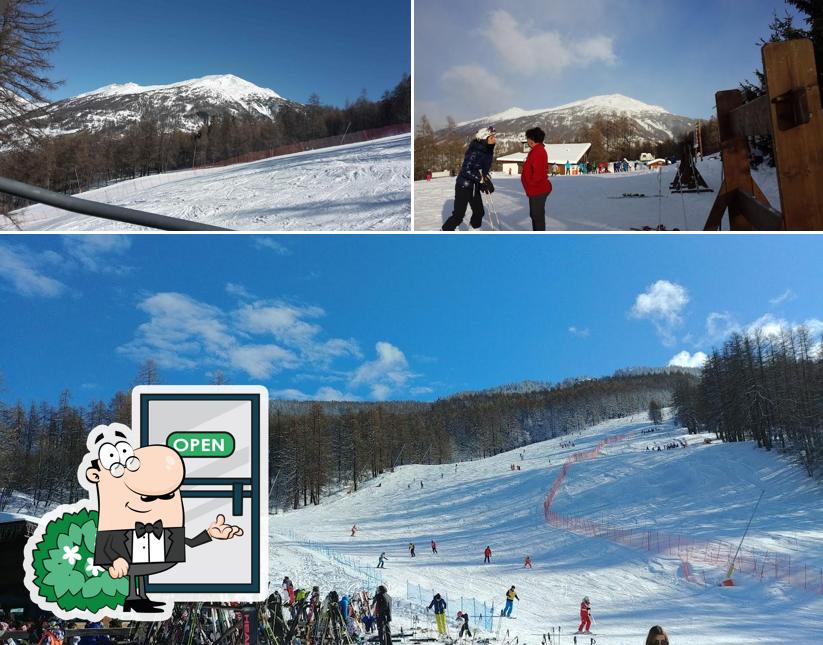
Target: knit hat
485,133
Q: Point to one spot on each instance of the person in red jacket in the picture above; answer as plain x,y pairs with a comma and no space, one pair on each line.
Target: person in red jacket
487,555
585,616
535,178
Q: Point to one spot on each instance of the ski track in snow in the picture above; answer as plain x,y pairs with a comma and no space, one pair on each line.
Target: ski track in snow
704,490
587,202
357,187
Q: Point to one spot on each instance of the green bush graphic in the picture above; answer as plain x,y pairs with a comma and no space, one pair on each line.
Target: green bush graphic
64,571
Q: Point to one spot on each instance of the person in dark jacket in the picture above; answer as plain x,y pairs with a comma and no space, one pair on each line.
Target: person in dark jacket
464,624
381,607
439,606
473,180
535,178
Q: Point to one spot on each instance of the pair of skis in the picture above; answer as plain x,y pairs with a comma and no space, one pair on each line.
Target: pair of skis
577,638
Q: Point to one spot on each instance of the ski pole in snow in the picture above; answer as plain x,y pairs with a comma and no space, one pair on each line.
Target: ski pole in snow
493,213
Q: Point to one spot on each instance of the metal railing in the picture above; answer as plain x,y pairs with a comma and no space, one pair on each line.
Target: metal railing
98,209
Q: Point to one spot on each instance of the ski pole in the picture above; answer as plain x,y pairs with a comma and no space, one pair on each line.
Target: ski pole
491,212
494,211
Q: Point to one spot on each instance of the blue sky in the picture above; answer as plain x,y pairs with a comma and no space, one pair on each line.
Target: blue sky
474,58
382,317
295,48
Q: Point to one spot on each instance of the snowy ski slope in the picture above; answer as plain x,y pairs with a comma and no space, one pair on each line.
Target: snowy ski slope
591,202
360,186
707,491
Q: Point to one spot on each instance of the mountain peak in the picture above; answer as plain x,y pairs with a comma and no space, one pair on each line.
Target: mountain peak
228,85
612,103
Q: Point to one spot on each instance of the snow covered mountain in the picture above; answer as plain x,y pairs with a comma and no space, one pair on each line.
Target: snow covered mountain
651,122
185,105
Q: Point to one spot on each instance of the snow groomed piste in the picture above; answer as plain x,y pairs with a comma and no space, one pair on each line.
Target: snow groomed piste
608,533
360,186
589,202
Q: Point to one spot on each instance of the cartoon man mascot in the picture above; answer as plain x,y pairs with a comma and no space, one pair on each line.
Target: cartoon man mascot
140,530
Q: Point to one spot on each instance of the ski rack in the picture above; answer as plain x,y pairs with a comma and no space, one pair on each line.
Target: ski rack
790,113
98,209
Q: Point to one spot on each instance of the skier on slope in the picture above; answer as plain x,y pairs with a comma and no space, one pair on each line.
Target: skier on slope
473,180
585,616
511,595
487,555
535,180
527,563
353,530
463,618
434,547
411,549
439,606
381,561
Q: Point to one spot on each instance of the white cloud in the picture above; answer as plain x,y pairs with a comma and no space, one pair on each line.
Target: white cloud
260,339
580,333
271,244
770,326
474,85
787,296
662,303
239,291
287,324
686,359
384,375
720,325
261,361
98,252
421,390
322,394
19,268
529,51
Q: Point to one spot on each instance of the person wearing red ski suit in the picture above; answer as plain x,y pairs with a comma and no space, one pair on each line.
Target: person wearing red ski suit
487,555
535,178
585,616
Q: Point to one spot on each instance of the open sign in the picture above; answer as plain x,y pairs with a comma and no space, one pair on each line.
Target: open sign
201,444
221,432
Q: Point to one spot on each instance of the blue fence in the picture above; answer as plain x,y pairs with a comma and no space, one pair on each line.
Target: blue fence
368,576
480,612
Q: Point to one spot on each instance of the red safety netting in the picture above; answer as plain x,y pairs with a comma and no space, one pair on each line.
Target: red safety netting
762,565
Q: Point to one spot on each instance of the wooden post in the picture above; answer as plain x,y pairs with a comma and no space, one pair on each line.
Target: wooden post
736,169
798,150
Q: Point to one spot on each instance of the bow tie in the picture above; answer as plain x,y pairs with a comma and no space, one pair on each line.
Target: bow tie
141,529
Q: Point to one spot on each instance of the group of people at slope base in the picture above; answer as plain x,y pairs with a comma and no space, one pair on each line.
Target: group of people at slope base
474,180
356,614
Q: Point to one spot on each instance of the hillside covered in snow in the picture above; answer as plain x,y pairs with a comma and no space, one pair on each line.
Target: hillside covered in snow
361,186
645,533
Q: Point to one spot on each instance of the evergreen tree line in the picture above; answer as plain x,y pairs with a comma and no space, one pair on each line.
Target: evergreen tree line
764,388
84,160
612,139
315,448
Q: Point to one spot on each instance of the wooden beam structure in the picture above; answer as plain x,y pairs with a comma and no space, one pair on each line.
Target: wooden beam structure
790,113
794,97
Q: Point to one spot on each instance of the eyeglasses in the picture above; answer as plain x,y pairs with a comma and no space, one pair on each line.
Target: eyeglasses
661,641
